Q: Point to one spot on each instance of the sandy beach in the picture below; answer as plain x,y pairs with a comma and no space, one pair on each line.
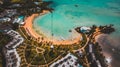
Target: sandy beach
29,29
28,26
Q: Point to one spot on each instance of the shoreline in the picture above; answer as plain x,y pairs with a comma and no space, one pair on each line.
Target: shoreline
107,55
28,26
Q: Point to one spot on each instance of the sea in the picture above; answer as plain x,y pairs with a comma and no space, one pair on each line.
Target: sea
69,14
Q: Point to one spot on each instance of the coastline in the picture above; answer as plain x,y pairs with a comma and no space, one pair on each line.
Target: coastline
107,55
28,26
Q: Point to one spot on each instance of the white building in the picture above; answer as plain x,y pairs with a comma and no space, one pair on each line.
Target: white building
12,58
11,55
90,48
17,39
5,19
19,21
85,29
68,61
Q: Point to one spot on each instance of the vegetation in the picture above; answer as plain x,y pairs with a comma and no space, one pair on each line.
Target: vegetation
41,58
107,29
46,55
15,26
99,55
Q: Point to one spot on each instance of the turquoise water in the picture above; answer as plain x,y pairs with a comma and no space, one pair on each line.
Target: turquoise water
69,14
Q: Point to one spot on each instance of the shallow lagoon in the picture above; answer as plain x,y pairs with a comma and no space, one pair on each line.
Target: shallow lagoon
69,14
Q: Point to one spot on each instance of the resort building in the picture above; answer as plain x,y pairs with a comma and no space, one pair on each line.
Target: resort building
12,58
17,39
9,13
92,59
5,19
68,61
85,29
11,55
19,20
90,48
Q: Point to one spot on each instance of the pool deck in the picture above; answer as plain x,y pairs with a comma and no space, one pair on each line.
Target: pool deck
28,26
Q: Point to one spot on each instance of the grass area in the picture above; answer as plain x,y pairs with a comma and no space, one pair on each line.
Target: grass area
84,40
32,56
22,32
41,58
49,55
